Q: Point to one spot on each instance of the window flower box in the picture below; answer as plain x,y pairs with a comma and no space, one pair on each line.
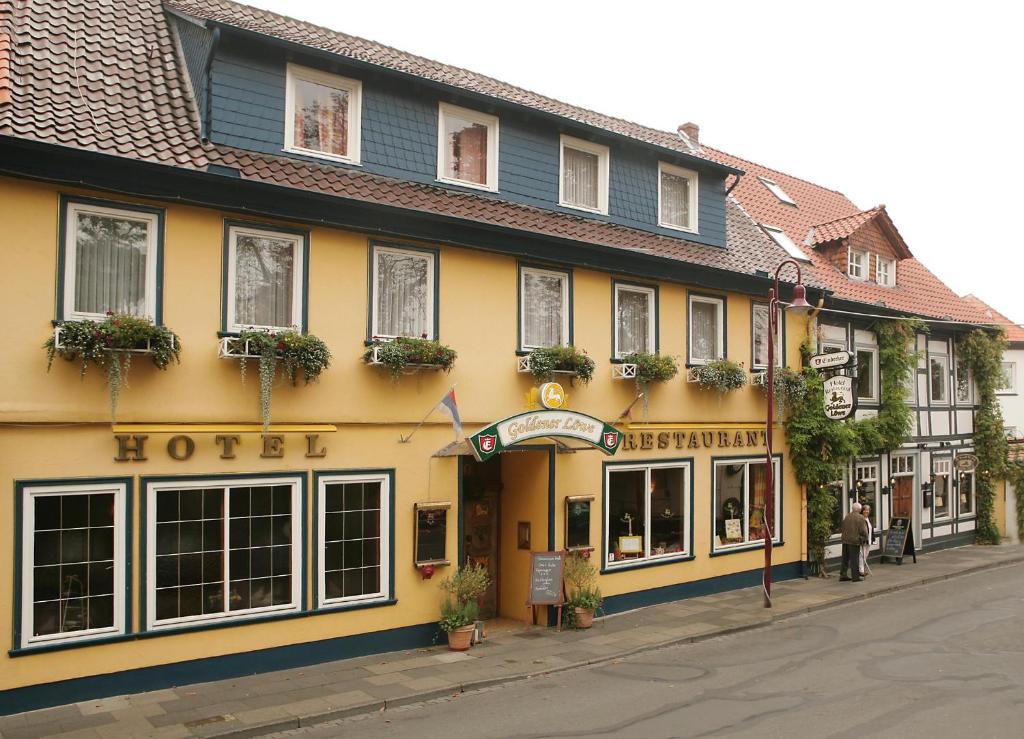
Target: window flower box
623,371
546,362
404,355
111,343
648,368
721,375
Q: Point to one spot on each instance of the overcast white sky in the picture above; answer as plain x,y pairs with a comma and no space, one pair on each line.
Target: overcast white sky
915,105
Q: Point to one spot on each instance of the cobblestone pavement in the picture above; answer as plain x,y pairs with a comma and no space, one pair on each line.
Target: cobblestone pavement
287,699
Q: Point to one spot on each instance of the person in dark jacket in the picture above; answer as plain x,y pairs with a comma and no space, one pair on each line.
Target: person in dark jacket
854,531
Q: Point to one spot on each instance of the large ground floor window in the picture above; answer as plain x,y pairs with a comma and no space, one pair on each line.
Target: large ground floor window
647,512
353,541
942,487
219,550
741,491
966,489
867,489
72,561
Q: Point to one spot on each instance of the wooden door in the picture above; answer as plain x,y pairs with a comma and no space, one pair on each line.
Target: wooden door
481,508
903,497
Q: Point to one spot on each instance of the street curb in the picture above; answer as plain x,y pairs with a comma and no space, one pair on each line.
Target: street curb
484,683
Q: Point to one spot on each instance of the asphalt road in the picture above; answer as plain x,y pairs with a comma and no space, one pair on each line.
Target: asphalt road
944,660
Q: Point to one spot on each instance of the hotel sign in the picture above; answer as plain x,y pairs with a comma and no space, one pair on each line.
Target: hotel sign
832,360
839,399
536,424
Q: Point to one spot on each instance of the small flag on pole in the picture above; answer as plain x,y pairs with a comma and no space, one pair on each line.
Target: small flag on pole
450,407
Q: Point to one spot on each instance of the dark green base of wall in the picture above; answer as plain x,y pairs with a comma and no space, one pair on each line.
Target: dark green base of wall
302,655
669,593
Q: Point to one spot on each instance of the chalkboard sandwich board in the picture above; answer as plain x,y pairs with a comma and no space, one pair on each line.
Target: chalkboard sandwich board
899,540
547,586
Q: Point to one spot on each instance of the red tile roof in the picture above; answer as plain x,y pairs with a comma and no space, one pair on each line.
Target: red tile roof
917,291
370,52
1014,331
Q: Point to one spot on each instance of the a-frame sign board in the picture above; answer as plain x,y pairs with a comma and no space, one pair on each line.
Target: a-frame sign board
899,540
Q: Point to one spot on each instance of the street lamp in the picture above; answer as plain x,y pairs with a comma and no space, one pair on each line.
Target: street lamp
798,305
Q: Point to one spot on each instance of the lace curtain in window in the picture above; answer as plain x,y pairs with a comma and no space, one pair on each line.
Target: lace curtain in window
110,264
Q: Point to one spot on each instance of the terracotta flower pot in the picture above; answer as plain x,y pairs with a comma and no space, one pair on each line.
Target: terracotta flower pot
584,617
459,639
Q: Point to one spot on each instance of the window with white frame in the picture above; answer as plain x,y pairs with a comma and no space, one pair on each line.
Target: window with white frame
867,373
938,378
635,312
964,383
110,260
902,465
543,308
857,264
885,271
741,491
941,488
647,509
1008,381
322,114
776,190
779,237
867,489
403,299
759,318
677,197
967,493
584,180
468,147
707,329
353,547
265,270
72,562
840,506
221,550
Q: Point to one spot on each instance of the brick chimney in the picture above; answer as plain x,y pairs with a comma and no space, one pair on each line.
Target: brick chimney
692,131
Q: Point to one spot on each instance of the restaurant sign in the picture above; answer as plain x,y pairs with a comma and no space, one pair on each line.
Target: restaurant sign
535,424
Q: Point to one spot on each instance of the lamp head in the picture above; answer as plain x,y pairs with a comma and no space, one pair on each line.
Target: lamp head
799,304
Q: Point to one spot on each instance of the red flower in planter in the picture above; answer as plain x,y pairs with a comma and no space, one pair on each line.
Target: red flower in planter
280,346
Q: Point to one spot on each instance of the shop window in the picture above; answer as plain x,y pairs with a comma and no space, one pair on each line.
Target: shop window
941,488
577,521
967,493
468,150
677,197
353,538
431,534
647,512
759,331
222,551
110,260
837,491
265,279
938,378
322,114
741,489
404,289
635,310
867,489
584,182
73,562
544,308
867,374
707,329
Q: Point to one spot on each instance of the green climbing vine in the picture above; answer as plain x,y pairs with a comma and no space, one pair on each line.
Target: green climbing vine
982,352
1014,475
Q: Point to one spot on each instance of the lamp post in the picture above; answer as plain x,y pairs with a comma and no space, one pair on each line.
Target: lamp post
799,304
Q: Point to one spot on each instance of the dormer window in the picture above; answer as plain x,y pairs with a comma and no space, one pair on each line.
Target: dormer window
777,191
322,113
677,197
857,264
467,153
584,182
885,272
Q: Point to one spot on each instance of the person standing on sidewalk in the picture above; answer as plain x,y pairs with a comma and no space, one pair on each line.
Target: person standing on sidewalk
854,531
865,549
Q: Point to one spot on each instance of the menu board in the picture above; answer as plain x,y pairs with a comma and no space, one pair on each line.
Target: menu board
897,538
546,570
431,532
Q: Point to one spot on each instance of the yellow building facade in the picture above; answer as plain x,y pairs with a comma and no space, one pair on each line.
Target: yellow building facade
687,472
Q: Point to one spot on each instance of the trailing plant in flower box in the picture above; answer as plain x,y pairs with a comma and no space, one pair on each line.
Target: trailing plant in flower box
291,351
721,375
652,367
545,361
110,343
404,351
789,386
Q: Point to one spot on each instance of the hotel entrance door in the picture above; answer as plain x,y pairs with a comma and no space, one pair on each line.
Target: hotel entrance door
481,511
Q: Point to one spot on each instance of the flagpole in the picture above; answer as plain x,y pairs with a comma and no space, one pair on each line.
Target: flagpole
405,439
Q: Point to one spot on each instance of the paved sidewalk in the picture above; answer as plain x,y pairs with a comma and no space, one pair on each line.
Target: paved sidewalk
261,704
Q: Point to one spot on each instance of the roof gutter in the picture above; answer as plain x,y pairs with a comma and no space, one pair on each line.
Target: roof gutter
738,175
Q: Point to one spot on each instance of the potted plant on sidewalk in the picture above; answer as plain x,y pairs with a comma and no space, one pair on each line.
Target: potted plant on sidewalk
585,596
459,609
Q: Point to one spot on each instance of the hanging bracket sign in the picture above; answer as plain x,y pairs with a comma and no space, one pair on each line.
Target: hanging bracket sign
966,462
832,360
519,428
840,401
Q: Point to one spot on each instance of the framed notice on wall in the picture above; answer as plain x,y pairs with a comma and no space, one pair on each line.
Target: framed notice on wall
431,533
